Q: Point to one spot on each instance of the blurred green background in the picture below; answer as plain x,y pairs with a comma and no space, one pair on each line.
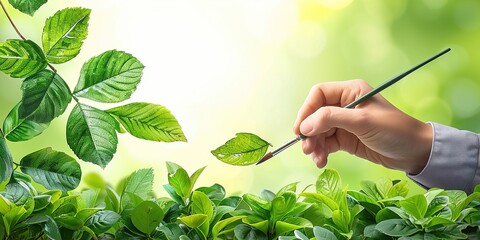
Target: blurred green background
224,67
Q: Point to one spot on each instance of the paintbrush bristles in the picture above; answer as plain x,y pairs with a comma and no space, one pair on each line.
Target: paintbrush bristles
265,158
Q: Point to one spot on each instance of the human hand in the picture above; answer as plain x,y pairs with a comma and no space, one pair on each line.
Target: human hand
374,130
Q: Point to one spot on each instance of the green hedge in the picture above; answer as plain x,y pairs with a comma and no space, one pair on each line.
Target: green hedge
324,210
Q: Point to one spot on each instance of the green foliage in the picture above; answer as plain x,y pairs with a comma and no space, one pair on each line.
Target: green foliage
45,97
244,149
110,77
21,129
27,6
132,212
149,121
6,162
21,58
91,132
64,33
379,210
52,169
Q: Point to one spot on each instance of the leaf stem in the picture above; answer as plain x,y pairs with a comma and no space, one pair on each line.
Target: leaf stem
11,22
18,32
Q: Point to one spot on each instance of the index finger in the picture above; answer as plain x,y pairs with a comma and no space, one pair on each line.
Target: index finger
329,94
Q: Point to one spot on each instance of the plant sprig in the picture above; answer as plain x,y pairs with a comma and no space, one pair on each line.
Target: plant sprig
91,133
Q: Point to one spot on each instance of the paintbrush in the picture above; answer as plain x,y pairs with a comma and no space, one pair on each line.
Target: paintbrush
356,102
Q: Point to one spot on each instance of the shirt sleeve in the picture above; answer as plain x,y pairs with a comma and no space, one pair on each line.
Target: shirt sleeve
454,160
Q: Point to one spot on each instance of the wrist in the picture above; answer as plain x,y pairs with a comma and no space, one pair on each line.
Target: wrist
425,141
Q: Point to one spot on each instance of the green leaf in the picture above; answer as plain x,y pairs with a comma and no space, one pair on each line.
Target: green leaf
257,222
6,162
437,204
68,222
45,97
291,224
300,235
383,186
51,229
17,194
149,121
91,134
41,201
415,205
102,221
282,205
5,205
329,184
21,58
110,77
19,129
218,228
202,204
173,194
180,181
396,228
52,169
64,33
27,6
140,183
194,220
244,149
398,189
147,216
245,232
369,188
341,220
323,233
259,205
321,198
366,201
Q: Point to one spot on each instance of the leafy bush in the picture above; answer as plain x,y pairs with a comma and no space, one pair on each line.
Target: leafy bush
380,210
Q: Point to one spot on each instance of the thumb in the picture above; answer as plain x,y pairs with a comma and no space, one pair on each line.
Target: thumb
328,117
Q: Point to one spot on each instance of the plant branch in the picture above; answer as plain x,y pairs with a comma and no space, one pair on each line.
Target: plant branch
11,22
18,32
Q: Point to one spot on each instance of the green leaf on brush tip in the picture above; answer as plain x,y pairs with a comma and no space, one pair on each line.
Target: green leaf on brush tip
64,33
110,77
149,121
21,58
6,162
21,129
45,97
244,149
91,134
27,6
52,169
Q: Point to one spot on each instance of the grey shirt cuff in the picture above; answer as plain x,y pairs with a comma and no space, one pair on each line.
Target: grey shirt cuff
454,160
